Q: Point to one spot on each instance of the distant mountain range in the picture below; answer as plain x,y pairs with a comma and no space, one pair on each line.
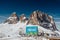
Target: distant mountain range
36,18
15,26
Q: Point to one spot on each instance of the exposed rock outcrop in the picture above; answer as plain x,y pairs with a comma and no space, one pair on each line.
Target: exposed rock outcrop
13,19
44,20
23,18
36,18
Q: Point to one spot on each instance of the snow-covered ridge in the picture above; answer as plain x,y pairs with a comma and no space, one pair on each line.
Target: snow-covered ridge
13,26
12,17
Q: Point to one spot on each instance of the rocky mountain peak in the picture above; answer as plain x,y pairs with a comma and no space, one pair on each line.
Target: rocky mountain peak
42,19
13,19
23,18
14,14
36,18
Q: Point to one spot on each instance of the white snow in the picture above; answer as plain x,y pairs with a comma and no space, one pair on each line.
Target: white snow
11,18
12,30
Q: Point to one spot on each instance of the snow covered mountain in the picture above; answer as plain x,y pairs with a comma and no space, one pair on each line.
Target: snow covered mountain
36,18
42,19
14,24
13,19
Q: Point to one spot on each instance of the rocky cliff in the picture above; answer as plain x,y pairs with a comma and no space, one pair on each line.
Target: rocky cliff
42,19
36,18
13,19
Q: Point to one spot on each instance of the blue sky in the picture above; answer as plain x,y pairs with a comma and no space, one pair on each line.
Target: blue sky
51,7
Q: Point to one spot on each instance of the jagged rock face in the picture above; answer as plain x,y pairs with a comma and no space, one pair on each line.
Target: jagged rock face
23,18
13,19
36,18
44,20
